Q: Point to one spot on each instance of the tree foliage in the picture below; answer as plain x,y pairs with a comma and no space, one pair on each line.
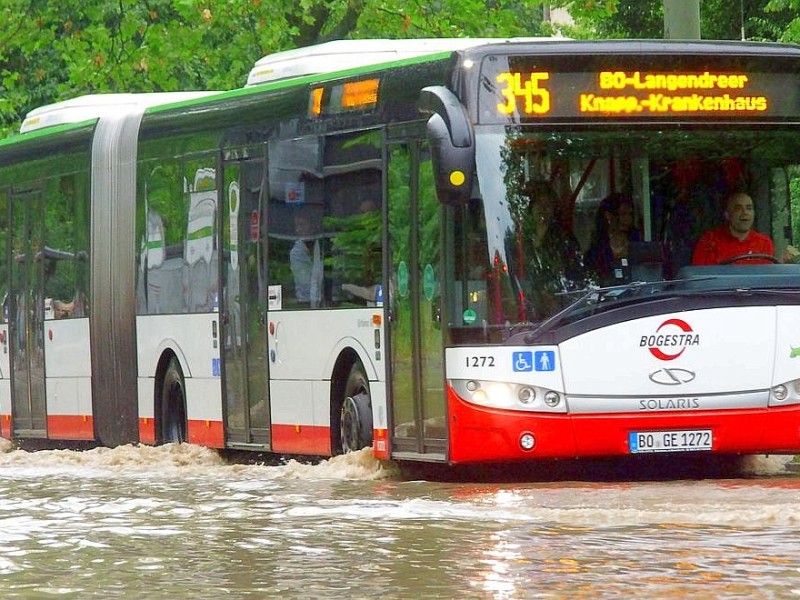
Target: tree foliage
762,20
51,51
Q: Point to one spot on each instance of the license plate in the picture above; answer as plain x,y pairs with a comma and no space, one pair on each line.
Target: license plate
669,441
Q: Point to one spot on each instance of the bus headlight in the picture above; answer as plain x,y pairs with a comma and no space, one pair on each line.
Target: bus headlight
498,394
509,396
786,393
527,395
779,392
552,399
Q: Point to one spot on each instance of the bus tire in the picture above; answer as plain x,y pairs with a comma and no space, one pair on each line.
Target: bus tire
173,405
355,417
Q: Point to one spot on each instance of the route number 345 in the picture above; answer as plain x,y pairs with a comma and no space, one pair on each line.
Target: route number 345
536,97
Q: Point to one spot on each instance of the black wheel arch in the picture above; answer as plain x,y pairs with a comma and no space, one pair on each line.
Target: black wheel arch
341,371
167,357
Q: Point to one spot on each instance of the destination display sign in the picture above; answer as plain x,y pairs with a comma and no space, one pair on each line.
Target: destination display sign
344,97
528,89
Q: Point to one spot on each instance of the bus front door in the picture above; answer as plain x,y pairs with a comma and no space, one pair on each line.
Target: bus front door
418,409
26,315
243,307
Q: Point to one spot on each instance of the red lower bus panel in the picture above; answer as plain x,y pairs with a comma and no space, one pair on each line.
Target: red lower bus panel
301,439
206,433
70,427
481,434
200,432
734,431
147,431
380,444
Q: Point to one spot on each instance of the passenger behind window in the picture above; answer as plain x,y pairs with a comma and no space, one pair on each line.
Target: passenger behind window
614,231
305,260
735,241
62,281
552,263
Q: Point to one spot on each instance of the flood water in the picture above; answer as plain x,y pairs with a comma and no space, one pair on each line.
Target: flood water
182,522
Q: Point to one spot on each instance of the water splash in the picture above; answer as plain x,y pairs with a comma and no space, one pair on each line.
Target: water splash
192,460
361,465
766,465
6,445
121,458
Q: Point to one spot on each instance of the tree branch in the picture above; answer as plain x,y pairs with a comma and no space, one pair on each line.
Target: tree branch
308,30
348,23
20,22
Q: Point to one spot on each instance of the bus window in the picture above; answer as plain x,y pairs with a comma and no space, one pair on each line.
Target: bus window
65,253
353,222
296,244
177,230
200,245
325,220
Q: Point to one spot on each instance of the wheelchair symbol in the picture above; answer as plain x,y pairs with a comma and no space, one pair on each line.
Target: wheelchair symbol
523,361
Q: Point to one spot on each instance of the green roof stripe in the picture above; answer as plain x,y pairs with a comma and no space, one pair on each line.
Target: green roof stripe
299,81
46,131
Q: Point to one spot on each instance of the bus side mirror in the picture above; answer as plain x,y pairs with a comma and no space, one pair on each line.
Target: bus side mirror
452,143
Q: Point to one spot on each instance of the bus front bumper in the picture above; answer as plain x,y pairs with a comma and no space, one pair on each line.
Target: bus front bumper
480,434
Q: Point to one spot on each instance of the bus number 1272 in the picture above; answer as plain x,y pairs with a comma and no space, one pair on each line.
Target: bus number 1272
480,361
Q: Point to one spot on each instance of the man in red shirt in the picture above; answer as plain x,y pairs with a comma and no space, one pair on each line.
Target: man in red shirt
736,237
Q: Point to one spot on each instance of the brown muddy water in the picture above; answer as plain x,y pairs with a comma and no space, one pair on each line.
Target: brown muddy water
184,522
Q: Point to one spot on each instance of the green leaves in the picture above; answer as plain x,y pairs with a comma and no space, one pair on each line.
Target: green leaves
52,51
762,20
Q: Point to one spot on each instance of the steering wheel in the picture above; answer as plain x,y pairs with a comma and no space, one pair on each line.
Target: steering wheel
733,259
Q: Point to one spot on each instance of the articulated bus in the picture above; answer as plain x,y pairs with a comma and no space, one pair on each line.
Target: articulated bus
353,250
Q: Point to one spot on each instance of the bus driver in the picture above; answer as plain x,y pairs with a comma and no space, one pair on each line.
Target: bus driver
736,237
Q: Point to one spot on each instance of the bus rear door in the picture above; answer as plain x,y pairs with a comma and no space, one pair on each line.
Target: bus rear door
243,307
26,315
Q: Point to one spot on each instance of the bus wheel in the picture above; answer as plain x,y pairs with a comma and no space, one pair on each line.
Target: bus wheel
355,420
173,405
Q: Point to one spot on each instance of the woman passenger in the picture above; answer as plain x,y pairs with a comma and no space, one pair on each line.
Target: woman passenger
613,232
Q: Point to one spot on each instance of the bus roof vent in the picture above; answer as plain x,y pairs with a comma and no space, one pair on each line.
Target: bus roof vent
93,106
347,54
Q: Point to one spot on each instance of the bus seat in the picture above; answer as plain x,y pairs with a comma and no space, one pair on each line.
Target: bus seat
646,261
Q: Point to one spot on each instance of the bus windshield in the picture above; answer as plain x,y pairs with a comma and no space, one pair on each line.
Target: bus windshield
559,213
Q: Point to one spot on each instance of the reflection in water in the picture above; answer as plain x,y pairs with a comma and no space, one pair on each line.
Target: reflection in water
179,521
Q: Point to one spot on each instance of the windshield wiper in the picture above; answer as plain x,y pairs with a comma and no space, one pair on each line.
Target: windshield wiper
595,298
